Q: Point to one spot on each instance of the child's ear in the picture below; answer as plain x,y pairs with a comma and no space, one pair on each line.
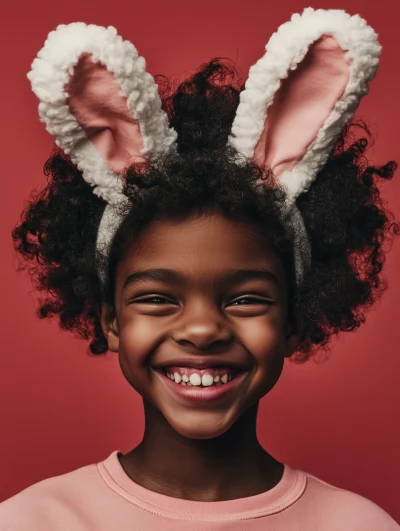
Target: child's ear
109,325
293,334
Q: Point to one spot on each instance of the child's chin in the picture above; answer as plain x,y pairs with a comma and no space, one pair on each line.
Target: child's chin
200,430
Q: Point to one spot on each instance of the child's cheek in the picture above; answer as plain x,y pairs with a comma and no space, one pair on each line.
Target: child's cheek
264,339
139,338
262,336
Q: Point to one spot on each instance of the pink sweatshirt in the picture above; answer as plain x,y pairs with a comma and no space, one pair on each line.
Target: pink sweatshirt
102,497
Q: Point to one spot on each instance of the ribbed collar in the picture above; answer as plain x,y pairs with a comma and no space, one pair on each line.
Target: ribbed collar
285,493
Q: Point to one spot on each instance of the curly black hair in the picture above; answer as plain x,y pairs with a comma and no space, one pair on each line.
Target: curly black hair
347,221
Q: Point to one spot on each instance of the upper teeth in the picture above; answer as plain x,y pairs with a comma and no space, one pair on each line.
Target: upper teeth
196,379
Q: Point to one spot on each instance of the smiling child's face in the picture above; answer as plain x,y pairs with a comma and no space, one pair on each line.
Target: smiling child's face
206,319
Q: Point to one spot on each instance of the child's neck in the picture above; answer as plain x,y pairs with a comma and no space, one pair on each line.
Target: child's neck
231,466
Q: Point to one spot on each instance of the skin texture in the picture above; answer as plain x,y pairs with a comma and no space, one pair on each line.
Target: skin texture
202,314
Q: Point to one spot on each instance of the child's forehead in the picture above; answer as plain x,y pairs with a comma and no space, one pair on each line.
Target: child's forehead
210,246
200,235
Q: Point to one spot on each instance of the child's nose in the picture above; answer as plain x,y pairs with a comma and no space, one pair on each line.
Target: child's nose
202,329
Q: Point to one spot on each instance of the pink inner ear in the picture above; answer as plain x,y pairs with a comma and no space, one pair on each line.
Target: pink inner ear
301,105
95,100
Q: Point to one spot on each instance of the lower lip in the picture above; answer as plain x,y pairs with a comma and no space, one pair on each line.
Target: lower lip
193,393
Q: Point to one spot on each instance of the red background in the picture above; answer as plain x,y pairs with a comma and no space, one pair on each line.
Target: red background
61,409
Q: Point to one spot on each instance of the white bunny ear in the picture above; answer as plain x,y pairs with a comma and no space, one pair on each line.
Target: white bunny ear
99,103
302,92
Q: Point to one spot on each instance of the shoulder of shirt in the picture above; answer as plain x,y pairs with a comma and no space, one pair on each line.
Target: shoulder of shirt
352,511
36,505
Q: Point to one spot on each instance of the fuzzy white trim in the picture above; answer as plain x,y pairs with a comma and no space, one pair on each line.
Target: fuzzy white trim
284,51
52,69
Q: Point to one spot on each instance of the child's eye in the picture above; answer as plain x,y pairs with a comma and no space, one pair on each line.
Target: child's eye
151,300
252,300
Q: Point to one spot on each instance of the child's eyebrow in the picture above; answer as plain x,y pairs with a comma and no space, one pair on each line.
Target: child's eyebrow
232,276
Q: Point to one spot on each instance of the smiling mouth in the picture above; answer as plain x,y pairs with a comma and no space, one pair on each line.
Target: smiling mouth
194,391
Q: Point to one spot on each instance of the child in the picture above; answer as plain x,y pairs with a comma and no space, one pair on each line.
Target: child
205,240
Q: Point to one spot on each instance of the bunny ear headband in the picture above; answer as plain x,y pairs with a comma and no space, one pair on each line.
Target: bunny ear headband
104,110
